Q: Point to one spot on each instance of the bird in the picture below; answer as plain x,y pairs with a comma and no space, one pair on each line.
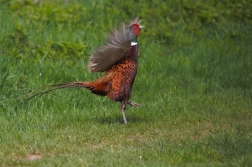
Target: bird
118,61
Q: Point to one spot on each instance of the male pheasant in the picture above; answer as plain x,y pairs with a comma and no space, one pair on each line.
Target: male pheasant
118,60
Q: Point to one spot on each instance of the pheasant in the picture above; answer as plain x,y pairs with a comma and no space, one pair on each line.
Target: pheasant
118,62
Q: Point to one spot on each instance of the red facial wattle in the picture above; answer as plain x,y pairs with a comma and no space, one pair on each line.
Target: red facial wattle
136,29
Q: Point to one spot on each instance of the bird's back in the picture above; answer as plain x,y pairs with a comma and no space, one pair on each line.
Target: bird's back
118,60
116,83
123,76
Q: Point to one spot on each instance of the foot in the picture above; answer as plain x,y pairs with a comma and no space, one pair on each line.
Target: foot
134,104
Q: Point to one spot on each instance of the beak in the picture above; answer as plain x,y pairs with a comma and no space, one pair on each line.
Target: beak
141,27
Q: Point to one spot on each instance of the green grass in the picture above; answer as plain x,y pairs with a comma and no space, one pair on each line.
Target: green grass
194,82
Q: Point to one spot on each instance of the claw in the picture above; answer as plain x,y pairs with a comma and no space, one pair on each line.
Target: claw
134,104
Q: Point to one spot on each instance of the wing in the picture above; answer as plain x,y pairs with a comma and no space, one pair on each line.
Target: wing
117,47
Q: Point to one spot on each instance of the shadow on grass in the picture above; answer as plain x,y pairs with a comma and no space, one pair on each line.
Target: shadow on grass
119,119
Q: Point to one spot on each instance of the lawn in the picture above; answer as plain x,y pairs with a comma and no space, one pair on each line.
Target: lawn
194,82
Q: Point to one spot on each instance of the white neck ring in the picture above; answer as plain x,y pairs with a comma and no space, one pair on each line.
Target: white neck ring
133,43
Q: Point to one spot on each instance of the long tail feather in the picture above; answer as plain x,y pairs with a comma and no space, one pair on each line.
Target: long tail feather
56,86
59,86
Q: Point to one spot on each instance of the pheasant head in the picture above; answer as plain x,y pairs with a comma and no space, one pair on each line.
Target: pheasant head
133,30
136,27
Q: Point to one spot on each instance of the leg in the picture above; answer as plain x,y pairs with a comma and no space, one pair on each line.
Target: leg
123,108
134,104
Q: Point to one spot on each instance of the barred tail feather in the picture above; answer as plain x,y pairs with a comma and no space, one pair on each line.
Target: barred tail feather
56,87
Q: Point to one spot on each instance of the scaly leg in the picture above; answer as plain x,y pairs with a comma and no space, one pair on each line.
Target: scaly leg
123,108
134,104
